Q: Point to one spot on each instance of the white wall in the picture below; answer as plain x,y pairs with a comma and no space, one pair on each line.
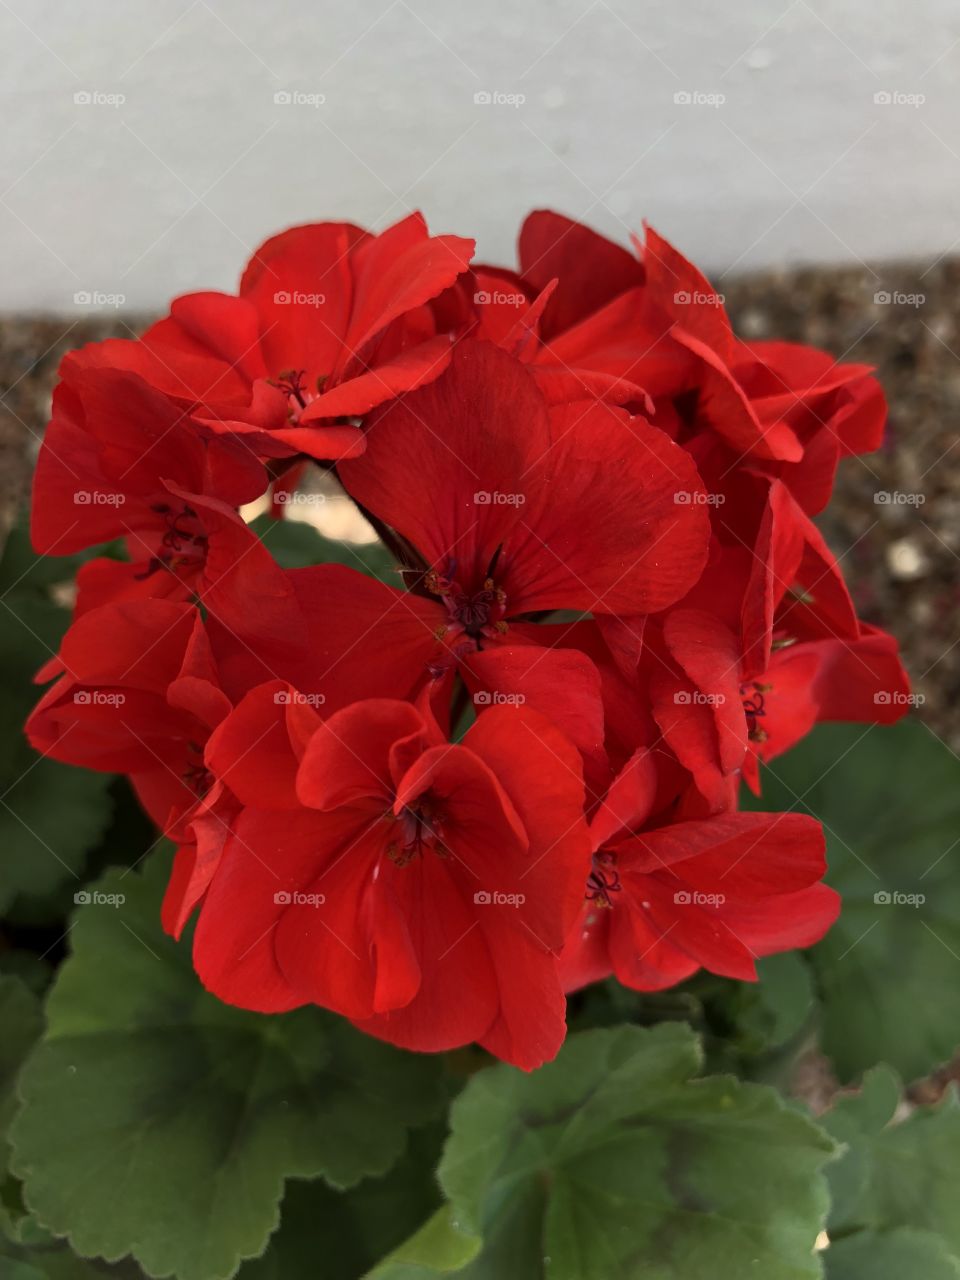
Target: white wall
172,188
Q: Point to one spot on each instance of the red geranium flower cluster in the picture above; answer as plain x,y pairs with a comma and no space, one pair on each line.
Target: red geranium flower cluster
438,804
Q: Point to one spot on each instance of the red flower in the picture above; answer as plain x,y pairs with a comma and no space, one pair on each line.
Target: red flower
715,894
141,692
418,887
503,513
138,693
641,613
835,410
329,322
120,460
594,318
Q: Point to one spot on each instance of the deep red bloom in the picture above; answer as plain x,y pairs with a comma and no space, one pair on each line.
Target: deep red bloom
505,513
717,893
120,460
835,410
418,887
138,693
329,322
599,500
595,318
141,692
570,510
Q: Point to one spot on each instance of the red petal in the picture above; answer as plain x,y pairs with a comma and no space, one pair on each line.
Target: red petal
405,372
591,269
351,756
541,773
742,856
299,282
398,270
561,684
255,750
436,458
602,531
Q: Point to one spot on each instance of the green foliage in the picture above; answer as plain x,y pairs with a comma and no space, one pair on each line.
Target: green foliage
894,1193
338,1235
50,815
613,1161
159,1122
887,972
22,1021
891,1255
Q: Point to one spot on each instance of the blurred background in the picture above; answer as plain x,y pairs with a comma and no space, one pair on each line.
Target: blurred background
805,154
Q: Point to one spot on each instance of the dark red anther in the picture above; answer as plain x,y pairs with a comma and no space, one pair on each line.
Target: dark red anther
604,879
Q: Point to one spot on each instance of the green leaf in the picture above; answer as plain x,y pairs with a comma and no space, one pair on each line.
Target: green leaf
889,971
159,1122
24,572
51,817
437,1248
295,544
22,1022
891,1255
55,1262
50,814
340,1234
856,1120
32,970
916,1173
896,1189
612,1161
17,1269
785,992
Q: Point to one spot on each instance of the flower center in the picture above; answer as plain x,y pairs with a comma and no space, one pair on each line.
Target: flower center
754,708
477,615
196,775
416,829
603,879
183,543
292,384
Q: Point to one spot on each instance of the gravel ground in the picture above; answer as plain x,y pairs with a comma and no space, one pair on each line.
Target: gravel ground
901,557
